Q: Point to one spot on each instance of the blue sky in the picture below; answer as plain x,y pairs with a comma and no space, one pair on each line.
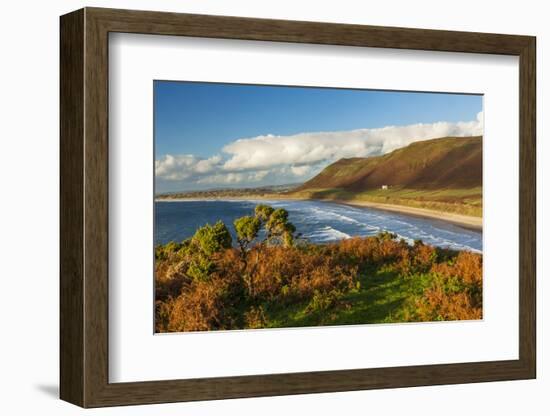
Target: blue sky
200,127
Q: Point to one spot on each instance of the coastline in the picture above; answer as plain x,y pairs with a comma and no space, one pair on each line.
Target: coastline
464,221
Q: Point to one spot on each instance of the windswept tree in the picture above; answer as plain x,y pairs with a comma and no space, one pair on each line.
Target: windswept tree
263,212
247,229
279,229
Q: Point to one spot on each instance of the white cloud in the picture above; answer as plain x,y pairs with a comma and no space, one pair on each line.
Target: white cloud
181,167
233,178
299,157
300,170
309,148
227,178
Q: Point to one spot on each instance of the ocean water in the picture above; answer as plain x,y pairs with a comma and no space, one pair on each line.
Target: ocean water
319,222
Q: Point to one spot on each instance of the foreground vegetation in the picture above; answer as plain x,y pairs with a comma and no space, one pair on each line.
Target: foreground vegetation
271,278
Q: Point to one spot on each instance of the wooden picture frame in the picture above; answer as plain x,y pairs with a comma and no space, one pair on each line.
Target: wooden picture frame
84,207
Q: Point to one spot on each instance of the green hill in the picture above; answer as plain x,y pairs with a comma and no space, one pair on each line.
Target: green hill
442,174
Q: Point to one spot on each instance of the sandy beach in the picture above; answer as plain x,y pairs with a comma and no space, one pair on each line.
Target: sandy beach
472,223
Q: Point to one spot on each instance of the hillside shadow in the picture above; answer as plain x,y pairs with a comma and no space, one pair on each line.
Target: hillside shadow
383,295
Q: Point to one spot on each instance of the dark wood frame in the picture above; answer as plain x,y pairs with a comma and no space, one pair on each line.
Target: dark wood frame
84,208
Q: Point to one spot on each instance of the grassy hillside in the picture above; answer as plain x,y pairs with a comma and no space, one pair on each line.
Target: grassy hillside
442,174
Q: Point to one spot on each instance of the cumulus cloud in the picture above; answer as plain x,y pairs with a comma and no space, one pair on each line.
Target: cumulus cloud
309,148
181,167
298,157
233,178
300,170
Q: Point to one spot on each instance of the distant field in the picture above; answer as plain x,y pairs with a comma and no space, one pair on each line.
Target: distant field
457,201
263,192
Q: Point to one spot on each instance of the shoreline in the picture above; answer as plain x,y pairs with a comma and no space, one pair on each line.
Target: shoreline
464,221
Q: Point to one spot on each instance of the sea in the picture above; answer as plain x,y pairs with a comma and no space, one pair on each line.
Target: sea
316,221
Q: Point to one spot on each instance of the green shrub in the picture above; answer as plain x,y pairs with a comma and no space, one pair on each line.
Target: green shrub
200,268
212,239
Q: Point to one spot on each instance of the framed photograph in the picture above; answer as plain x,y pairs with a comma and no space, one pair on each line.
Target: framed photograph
255,207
